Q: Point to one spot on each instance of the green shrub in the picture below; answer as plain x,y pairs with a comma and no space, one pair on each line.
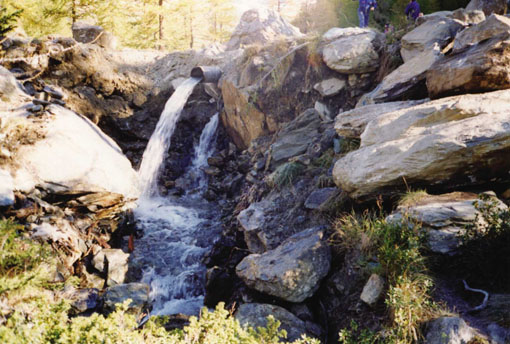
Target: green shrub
397,247
7,19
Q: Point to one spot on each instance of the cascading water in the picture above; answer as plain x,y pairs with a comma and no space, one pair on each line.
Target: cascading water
177,232
160,139
203,152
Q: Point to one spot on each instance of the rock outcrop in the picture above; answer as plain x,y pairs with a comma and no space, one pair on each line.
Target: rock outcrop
291,271
261,26
481,68
449,330
488,6
352,50
494,25
445,217
405,80
457,140
424,37
73,153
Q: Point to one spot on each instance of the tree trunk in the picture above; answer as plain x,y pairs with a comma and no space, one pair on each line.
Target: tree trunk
191,38
161,21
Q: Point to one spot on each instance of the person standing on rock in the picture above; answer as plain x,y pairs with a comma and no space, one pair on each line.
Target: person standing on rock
365,6
412,10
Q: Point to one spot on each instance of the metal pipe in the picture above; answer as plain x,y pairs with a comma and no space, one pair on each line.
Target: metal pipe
208,74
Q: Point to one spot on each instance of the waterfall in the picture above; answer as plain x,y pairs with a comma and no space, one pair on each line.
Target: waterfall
177,231
203,152
160,140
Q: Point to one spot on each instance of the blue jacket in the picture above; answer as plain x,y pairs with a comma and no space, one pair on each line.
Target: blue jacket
366,4
412,9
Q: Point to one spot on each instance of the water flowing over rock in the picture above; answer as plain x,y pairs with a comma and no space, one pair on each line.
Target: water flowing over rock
484,67
459,140
76,154
488,6
159,142
255,315
6,189
444,217
403,80
291,271
352,50
425,36
492,26
260,26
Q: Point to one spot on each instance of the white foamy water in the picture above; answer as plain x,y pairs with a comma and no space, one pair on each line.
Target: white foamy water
203,152
177,232
160,140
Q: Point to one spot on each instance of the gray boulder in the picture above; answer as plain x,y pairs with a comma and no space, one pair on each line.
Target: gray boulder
295,137
425,36
488,6
353,122
330,87
352,50
260,26
319,197
402,80
372,290
255,315
11,94
87,33
449,330
433,16
444,218
457,140
291,271
484,67
472,17
492,26
138,293
114,262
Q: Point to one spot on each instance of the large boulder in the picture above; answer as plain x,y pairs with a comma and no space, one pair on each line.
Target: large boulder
450,330
255,315
455,141
353,122
352,50
74,153
87,33
468,17
484,67
488,6
425,36
444,217
260,26
406,79
293,270
492,26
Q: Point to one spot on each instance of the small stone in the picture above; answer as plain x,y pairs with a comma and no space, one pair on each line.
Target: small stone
330,87
117,267
139,99
323,111
35,108
372,291
53,93
137,292
216,161
212,171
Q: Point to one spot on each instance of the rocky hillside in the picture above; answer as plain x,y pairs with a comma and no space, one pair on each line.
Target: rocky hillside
363,197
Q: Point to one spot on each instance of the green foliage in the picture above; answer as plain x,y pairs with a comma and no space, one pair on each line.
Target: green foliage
355,335
7,19
349,144
325,160
412,197
397,247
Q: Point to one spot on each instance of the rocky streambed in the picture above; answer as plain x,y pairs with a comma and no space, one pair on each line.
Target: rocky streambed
308,129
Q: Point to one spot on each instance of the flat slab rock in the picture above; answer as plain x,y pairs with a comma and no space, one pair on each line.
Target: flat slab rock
291,271
457,140
444,217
